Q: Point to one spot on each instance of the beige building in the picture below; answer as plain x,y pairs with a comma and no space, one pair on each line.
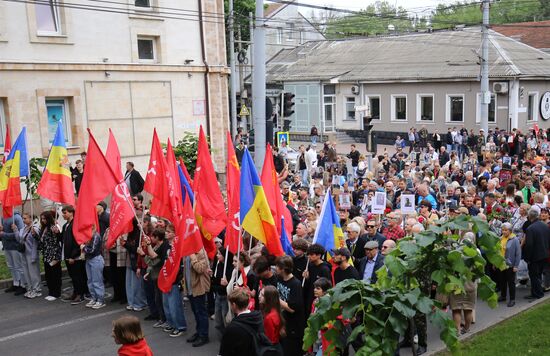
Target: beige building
131,67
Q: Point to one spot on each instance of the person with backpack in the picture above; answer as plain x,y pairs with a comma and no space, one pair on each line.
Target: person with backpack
245,336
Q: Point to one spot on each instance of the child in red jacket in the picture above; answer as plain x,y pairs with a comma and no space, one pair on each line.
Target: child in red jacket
127,331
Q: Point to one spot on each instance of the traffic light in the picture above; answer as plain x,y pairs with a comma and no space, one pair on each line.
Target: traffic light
367,126
288,104
286,125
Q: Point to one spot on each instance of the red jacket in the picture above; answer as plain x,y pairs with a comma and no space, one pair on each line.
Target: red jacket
272,326
139,348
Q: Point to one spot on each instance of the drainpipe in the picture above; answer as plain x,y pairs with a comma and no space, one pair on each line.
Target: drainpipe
207,72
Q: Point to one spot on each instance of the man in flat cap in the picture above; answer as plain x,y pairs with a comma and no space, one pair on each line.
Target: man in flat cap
371,263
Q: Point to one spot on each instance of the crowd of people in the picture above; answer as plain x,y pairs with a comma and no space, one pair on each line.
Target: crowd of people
256,300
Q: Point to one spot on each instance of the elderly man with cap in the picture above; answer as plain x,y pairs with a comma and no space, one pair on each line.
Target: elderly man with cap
355,243
345,270
371,263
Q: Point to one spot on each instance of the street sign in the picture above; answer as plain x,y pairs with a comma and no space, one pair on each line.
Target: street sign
244,111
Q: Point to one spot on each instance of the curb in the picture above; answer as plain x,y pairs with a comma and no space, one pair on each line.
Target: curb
477,332
6,283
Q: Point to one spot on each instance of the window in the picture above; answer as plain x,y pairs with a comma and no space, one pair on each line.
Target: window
425,107
290,33
142,3
146,48
532,112
399,108
455,108
492,109
47,17
279,35
350,108
302,36
58,111
329,103
374,102
2,122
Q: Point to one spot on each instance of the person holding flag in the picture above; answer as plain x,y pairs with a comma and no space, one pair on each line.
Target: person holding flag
15,167
256,217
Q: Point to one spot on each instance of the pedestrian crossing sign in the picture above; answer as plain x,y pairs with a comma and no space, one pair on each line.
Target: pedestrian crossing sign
244,111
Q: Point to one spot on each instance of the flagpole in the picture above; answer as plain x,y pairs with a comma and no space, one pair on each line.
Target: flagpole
239,251
225,262
135,215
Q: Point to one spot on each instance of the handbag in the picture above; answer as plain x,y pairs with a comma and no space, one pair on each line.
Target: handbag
21,246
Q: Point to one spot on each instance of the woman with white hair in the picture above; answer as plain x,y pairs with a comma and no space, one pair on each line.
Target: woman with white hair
511,251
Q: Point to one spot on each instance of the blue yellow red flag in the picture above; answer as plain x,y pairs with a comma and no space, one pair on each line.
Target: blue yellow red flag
256,217
329,233
16,166
56,183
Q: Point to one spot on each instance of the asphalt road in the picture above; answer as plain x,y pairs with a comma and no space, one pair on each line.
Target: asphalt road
37,327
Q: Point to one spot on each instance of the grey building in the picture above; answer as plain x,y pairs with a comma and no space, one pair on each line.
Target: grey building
411,80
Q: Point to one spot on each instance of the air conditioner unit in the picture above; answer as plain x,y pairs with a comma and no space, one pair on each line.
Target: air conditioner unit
500,87
355,89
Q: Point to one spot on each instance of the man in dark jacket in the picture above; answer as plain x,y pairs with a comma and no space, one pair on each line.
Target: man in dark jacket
371,262
133,179
238,338
535,252
103,217
76,265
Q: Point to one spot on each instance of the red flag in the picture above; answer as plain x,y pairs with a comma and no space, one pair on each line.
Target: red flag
209,206
174,188
122,212
536,128
188,239
7,144
232,231
98,182
273,194
155,181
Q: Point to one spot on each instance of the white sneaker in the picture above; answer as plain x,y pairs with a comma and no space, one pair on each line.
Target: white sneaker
90,304
129,307
50,298
26,295
99,305
37,293
31,295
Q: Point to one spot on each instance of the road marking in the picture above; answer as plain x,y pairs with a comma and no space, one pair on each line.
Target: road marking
55,326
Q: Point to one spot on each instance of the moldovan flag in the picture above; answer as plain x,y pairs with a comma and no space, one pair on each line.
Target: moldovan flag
7,145
233,228
329,233
273,195
56,183
16,166
122,209
209,206
256,216
98,182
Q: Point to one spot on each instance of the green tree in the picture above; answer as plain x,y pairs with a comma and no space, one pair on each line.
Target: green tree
502,12
241,9
375,19
384,310
187,148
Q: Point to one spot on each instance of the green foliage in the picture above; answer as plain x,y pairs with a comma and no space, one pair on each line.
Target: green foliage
383,311
501,12
36,166
187,148
373,20
241,9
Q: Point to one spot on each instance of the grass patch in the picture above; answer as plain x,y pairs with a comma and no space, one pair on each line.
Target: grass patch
5,272
524,334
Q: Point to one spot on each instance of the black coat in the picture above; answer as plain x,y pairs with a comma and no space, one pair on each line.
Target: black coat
537,242
236,340
377,265
357,251
136,182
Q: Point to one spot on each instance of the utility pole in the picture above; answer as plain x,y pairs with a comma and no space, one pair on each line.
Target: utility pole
233,83
485,93
258,86
241,75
